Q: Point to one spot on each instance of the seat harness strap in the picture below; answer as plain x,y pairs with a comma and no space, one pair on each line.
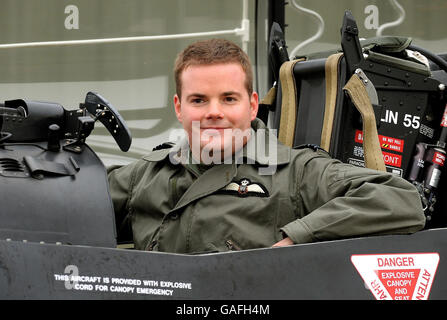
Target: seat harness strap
371,144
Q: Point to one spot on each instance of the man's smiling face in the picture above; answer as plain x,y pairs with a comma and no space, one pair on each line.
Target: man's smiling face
215,104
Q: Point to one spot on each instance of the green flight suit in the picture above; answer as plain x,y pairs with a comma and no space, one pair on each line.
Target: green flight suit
310,197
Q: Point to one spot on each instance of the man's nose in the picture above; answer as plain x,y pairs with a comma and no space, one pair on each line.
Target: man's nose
214,110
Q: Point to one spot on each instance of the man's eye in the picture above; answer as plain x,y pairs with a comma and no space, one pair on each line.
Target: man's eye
230,99
197,100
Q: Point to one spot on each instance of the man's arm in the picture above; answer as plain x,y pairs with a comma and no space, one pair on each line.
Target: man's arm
120,186
346,201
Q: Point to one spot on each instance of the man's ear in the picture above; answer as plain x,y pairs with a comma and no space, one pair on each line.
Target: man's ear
254,105
178,108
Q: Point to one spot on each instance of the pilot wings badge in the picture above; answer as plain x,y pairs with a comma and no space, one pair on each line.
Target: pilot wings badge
245,188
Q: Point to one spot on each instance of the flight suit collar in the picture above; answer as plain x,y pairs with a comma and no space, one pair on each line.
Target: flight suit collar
209,182
219,176
263,137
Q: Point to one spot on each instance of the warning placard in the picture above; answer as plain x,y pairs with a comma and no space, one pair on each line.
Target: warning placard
444,117
388,143
406,276
439,158
392,159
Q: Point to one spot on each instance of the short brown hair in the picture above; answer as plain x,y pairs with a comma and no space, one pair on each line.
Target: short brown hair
212,51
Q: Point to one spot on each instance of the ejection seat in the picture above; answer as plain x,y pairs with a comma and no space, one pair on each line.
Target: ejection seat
312,102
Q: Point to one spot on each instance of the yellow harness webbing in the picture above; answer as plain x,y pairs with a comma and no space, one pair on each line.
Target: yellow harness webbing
371,144
269,98
331,75
289,103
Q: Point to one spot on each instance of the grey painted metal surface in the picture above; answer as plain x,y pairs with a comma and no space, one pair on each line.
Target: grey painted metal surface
311,271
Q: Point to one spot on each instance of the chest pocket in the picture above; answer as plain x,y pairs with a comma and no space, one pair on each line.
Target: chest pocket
230,222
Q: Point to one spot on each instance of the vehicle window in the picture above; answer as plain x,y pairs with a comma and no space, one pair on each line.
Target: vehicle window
57,51
314,25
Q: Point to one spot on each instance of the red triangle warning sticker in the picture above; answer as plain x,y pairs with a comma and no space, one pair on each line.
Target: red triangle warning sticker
405,276
400,283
